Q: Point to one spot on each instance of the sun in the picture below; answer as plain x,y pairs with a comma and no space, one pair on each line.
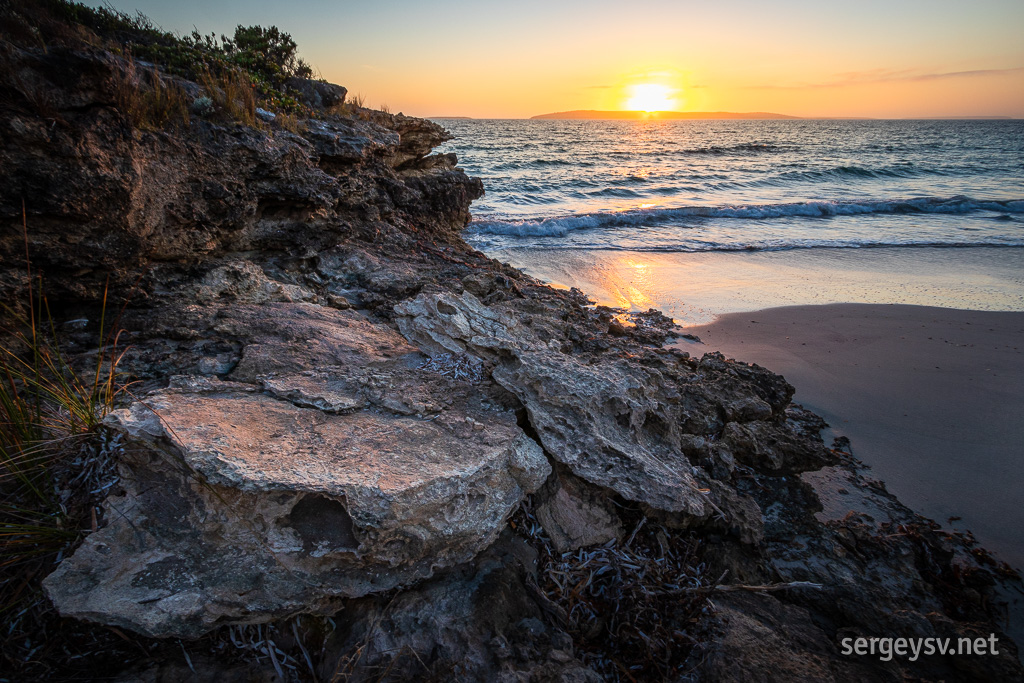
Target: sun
650,97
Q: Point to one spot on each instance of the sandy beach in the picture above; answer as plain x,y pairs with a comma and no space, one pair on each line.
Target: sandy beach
931,398
924,374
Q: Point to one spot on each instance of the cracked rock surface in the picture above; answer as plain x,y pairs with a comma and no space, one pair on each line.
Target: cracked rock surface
240,504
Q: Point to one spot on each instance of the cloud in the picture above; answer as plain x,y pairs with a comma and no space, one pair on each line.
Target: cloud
890,76
598,87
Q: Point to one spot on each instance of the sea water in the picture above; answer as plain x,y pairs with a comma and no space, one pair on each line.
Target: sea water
700,218
715,185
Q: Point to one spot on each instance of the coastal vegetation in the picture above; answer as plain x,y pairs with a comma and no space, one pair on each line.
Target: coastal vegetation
256,66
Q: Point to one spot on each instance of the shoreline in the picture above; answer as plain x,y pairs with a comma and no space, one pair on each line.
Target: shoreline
926,395
696,287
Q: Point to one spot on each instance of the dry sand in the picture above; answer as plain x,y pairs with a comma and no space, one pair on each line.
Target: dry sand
931,398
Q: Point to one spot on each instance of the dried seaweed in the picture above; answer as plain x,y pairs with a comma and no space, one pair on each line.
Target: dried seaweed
627,603
459,367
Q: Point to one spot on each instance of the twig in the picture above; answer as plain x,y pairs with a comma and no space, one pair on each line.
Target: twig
732,587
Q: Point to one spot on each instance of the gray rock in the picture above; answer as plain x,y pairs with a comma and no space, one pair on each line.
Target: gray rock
443,322
244,282
240,508
613,423
575,514
591,418
349,142
316,93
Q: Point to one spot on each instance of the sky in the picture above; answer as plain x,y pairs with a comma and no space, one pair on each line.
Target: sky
502,59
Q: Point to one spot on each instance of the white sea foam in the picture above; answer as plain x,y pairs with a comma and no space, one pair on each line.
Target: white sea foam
559,226
744,185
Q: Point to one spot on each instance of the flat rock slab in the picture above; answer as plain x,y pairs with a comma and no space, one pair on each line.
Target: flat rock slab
241,507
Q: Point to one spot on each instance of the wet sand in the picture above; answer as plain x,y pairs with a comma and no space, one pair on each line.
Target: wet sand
695,288
931,398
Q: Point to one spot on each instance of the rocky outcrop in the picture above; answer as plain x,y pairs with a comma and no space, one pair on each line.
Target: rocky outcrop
614,422
248,501
316,94
342,410
143,197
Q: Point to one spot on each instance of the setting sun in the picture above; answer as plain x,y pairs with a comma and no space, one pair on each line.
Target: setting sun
650,97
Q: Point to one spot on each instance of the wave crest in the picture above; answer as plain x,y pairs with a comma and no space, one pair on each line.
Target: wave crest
561,225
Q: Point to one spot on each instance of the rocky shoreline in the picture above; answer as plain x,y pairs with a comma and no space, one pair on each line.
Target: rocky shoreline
349,429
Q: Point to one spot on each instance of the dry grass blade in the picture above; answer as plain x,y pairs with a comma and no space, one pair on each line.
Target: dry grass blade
148,100
56,463
232,92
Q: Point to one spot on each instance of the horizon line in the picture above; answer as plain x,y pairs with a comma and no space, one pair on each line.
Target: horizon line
545,117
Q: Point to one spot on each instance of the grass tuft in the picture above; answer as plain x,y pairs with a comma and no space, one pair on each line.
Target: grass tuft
149,101
232,93
57,463
290,123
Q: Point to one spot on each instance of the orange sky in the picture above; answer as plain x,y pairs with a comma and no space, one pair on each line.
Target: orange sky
873,58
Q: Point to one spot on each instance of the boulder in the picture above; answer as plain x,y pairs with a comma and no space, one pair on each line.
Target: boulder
444,322
594,419
240,507
313,93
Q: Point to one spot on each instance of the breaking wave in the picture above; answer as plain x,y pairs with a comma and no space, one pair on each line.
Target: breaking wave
561,225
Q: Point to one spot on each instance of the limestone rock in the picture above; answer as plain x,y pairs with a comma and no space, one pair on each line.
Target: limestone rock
443,322
590,418
289,338
239,507
316,93
245,282
139,198
349,141
575,514
614,422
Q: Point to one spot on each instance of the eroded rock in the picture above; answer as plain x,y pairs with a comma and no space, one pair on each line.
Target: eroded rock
590,417
240,507
575,514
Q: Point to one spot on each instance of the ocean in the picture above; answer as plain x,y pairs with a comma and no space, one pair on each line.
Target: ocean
700,219
695,186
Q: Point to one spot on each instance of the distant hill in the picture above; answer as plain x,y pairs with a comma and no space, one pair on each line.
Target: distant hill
595,114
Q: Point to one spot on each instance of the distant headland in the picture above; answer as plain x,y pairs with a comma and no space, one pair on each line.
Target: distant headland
596,114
